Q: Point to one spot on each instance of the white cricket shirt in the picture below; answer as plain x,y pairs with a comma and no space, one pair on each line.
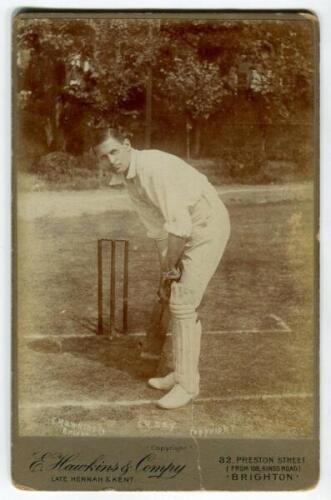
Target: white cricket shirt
165,191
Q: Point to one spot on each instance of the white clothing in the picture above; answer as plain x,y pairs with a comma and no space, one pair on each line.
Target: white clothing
171,196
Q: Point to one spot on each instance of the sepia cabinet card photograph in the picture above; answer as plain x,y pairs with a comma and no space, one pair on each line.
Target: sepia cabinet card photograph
165,248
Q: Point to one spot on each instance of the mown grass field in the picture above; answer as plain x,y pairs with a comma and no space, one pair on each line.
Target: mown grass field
258,354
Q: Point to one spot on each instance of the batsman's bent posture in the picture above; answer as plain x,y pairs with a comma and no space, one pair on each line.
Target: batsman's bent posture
190,225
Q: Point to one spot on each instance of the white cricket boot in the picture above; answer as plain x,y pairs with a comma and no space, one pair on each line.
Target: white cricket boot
176,398
187,336
163,383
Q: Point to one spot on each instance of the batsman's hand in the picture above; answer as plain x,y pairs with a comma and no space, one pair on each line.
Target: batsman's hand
164,290
172,275
166,279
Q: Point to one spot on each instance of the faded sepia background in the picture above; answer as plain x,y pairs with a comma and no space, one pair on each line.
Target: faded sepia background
237,99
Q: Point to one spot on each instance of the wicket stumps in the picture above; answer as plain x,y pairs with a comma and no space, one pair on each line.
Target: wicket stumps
114,244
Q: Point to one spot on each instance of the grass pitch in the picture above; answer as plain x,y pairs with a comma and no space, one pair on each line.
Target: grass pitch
258,348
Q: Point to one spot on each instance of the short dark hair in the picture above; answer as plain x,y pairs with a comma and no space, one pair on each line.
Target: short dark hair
101,134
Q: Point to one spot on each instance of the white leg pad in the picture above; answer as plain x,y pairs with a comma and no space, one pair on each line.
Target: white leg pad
186,338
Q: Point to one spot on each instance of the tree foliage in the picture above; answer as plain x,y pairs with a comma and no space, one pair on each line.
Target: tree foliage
78,71
194,86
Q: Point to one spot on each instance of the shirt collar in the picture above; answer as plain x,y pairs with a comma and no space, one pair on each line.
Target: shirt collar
132,171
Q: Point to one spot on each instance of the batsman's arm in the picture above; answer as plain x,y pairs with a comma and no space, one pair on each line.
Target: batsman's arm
170,251
176,246
162,248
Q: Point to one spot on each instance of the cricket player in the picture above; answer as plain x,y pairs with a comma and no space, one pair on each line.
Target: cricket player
190,225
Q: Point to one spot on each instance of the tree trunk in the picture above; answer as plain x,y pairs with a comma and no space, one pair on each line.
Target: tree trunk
263,142
60,136
55,136
148,113
197,139
49,132
149,94
188,139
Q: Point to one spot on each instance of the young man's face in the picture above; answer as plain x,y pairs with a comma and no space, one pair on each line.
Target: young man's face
117,153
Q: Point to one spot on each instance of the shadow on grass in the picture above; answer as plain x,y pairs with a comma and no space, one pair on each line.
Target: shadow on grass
89,324
121,354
